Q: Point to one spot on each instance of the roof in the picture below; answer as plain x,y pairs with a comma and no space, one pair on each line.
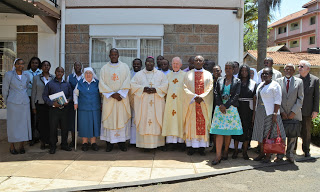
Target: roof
278,48
289,18
309,3
283,58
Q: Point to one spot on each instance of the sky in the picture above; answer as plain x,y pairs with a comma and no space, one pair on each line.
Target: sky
288,7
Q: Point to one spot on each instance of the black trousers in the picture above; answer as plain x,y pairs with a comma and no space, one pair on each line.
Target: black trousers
306,133
34,124
43,122
58,117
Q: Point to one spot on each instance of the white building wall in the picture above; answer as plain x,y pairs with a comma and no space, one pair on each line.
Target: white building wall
230,27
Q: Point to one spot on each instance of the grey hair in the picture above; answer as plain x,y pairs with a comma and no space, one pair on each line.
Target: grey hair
177,58
290,65
306,63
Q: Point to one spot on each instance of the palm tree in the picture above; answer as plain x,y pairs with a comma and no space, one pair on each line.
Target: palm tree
264,7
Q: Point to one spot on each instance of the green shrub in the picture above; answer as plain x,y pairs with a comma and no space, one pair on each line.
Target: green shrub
315,131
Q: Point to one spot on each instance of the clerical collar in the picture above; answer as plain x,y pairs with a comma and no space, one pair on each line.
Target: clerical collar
176,71
114,63
198,70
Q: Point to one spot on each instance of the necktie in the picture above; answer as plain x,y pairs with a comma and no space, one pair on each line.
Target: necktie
288,81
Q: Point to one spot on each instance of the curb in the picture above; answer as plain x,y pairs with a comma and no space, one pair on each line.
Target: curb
178,178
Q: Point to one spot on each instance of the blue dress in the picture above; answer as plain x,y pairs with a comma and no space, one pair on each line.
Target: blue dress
89,109
229,123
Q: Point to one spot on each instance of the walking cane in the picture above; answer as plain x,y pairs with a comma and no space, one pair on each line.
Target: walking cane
76,130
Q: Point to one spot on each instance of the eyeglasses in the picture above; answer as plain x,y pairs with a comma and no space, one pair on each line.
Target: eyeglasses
300,66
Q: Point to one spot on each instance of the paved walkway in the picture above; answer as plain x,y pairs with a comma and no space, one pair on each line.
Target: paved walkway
38,170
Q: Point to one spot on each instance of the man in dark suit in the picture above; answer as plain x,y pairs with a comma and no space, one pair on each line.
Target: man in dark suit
310,107
291,104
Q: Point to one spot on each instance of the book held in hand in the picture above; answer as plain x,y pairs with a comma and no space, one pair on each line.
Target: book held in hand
59,97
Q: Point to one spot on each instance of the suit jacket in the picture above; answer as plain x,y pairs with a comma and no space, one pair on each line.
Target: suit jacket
293,99
14,89
37,90
234,92
311,94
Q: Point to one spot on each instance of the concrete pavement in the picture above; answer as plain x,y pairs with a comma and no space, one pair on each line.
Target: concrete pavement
38,170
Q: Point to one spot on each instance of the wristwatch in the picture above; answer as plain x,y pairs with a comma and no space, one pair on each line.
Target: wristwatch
274,113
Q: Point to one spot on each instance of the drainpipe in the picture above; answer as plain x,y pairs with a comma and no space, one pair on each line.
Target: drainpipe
63,34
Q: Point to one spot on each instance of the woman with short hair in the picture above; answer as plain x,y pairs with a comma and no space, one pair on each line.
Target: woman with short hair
39,107
267,114
87,100
226,120
14,92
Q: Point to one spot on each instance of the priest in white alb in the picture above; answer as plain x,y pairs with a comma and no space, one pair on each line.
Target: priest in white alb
198,84
149,87
114,84
173,114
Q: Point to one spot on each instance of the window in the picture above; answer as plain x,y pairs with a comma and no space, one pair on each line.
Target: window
282,30
313,20
294,44
129,49
294,26
312,40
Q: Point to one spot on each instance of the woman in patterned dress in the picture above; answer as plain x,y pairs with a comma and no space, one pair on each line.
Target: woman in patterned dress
226,120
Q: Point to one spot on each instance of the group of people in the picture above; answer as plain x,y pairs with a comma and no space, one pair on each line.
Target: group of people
156,107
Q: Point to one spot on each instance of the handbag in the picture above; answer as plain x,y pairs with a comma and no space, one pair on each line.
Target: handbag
275,145
292,128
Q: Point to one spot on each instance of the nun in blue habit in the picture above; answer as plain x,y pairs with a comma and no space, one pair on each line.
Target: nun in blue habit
87,100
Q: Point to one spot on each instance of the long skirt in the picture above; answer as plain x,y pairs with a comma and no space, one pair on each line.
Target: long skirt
43,124
263,124
18,122
89,123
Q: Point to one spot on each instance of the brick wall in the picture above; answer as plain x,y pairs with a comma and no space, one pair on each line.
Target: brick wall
27,42
185,41
77,46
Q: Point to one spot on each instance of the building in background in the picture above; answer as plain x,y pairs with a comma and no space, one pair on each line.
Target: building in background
298,31
65,31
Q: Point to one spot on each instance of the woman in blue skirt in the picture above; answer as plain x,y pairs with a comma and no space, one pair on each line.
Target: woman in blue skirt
86,98
226,120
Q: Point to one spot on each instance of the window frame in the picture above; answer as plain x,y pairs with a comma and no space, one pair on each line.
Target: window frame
314,40
114,38
294,28
293,45
282,29
314,20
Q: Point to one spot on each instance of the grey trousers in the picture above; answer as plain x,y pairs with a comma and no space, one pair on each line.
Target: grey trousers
291,142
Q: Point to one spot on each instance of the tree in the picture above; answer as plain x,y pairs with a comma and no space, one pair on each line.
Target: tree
264,7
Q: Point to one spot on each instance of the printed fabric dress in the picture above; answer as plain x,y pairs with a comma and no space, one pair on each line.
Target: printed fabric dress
229,123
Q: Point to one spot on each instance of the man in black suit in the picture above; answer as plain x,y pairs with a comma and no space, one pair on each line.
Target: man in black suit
310,107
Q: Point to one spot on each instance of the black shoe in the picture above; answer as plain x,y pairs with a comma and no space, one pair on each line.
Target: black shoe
202,152
278,160
42,146
163,148
182,146
307,154
85,147
95,147
225,158
213,149
291,160
147,150
190,151
31,143
22,151
170,147
215,162
66,148
266,160
13,151
235,154
52,150
71,145
109,147
259,158
245,156
122,146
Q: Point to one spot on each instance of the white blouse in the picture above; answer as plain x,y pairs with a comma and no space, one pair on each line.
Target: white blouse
270,94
